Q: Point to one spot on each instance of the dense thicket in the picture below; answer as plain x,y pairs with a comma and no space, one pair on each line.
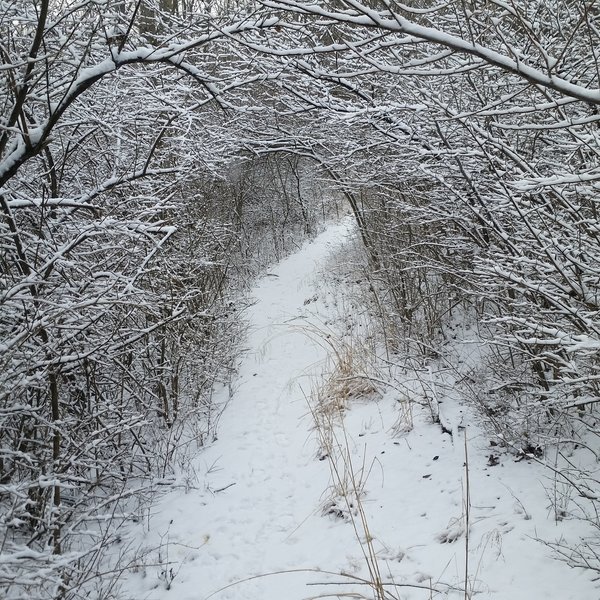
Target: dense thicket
475,167
134,214
153,157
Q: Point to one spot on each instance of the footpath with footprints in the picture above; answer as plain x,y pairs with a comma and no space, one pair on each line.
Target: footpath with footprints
254,524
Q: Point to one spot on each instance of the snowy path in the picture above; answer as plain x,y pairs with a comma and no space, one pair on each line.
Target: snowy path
256,506
263,484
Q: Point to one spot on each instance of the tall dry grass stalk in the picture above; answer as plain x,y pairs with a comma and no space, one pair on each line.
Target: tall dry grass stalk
347,378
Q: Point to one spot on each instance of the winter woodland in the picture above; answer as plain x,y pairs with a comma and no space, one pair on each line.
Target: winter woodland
158,156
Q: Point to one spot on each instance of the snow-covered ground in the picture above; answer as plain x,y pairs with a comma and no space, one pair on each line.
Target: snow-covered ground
262,518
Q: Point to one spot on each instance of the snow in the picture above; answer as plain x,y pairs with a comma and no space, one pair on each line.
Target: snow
258,514
367,17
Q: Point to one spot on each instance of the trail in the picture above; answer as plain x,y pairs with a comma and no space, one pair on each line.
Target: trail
252,524
260,509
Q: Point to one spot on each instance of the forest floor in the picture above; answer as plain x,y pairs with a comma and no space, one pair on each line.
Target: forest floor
327,476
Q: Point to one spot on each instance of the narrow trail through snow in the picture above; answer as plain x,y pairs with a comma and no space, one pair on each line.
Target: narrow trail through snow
260,510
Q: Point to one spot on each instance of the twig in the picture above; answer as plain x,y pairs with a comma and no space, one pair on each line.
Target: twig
224,488
467,518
